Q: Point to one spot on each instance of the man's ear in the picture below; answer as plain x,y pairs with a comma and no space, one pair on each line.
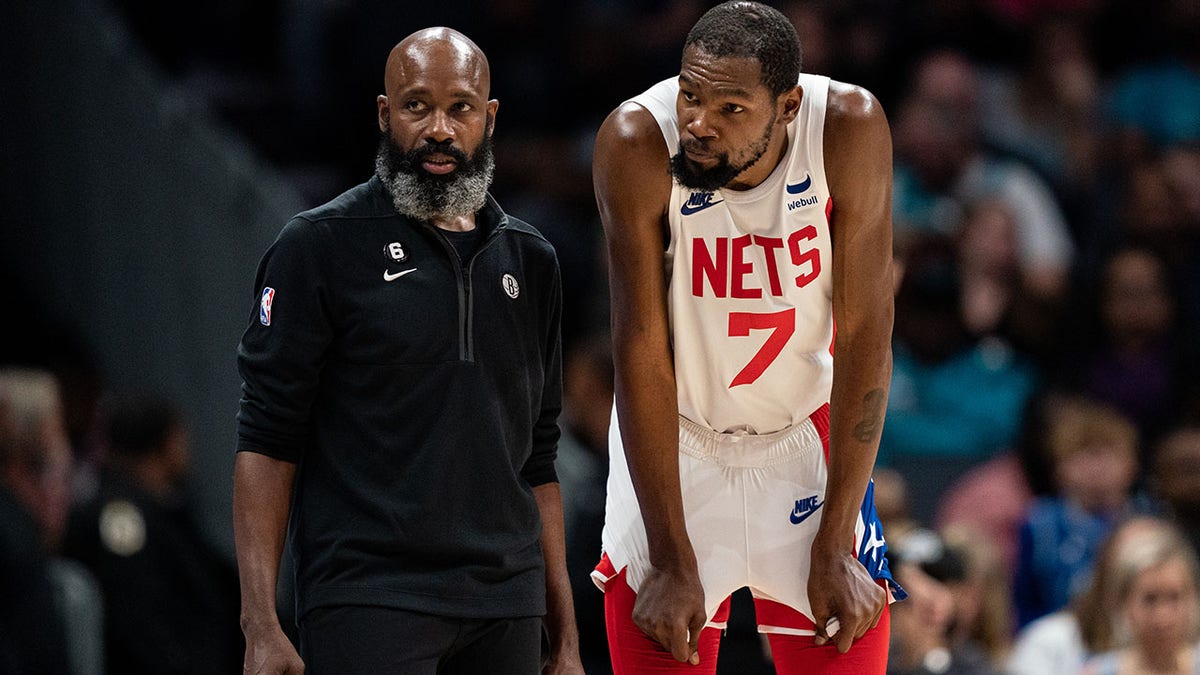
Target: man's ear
492,106
790,101
381,104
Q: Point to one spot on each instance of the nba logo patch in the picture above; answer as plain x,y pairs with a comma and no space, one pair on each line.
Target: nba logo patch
264,307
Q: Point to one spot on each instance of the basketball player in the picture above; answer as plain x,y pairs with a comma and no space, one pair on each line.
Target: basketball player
747,205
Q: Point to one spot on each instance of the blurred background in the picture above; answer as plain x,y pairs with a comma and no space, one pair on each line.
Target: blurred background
1047,228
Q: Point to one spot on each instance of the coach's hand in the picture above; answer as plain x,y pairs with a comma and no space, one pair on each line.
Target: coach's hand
670,609
269,652
839,587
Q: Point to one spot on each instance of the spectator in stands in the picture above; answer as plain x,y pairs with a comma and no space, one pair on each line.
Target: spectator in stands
921,643
934,432
1061,642
997,301
1132,356
994,497
941,166
48,617
171,598
1181,170
1176,479
983,613
1046,110
1158,607
1171,81
1095,454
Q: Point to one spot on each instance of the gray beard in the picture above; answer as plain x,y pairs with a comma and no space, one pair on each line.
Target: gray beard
423,196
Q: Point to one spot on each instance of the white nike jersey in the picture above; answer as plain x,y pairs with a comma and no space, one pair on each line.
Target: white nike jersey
749,277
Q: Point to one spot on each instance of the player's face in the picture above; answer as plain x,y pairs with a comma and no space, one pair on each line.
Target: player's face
727,121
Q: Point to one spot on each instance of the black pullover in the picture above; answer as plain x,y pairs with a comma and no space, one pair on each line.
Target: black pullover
419,396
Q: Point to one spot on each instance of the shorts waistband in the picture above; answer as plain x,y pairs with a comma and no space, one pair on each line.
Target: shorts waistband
753,450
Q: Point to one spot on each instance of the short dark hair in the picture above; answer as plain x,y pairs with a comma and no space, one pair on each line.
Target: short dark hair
741,28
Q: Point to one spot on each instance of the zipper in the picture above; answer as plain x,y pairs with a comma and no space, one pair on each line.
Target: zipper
469,320
466,302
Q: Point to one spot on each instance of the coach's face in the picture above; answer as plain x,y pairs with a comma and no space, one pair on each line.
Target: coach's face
728,121
437,103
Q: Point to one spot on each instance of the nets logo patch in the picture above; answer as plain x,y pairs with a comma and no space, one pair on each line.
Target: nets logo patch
510,285
264,306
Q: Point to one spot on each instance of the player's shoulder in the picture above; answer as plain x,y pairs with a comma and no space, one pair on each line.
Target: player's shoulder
852,103
631,127
854,120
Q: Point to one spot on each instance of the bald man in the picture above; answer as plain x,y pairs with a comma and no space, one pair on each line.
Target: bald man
401,389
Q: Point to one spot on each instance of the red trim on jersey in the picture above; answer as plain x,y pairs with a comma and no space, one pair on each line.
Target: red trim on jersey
829,225
773,614
820,420
603,572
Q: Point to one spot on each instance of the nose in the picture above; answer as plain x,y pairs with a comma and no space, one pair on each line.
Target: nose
699,127
440,129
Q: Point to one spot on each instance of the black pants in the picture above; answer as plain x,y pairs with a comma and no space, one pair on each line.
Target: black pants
378,640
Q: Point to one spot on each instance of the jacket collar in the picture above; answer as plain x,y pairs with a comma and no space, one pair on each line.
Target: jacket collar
489,218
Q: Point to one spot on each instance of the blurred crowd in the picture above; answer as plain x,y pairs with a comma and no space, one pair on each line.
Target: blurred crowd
1039,473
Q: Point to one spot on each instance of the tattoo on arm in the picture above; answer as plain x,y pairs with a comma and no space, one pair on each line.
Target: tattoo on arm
872,421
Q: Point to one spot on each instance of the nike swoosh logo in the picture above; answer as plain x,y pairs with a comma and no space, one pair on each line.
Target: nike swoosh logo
801,186
799,516
397,275
689,210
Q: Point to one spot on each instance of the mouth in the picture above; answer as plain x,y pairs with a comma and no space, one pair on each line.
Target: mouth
695,152
699,156
439,164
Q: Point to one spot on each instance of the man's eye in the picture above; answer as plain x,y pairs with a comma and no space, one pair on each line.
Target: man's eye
462,106
688,97
733,108
414,106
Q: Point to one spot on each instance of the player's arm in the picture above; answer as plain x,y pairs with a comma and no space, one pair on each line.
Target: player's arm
858,160
633,186
262,493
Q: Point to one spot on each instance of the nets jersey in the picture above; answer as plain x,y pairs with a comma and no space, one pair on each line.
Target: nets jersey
750,294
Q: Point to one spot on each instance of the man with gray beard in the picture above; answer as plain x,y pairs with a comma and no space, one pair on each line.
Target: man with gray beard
401,388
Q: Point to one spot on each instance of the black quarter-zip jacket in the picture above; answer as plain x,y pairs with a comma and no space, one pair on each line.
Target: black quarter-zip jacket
419,396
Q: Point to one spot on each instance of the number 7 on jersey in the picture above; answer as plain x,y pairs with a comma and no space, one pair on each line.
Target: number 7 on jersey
782,325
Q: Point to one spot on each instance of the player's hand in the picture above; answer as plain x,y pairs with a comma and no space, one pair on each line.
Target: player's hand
269,652
670,609
840,588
